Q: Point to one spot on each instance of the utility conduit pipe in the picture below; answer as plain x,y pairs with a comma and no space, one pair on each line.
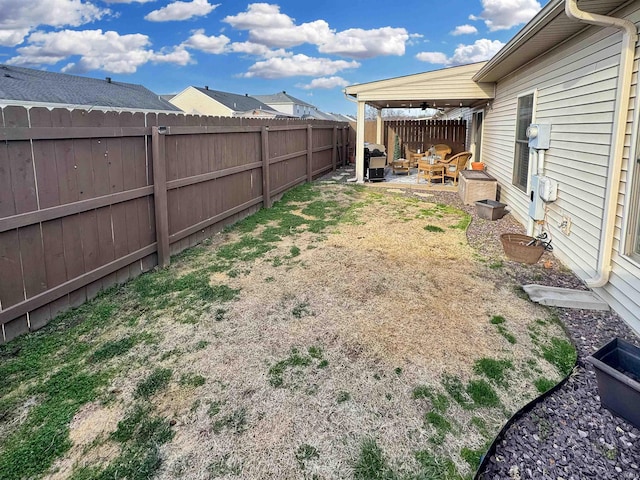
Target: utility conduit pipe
629,40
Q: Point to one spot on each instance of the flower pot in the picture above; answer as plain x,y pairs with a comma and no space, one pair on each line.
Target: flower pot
617,366
477,166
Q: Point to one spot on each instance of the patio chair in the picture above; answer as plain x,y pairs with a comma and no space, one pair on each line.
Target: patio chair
442,150
454,164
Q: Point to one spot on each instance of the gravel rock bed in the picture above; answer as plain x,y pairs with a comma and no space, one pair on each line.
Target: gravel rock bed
568,435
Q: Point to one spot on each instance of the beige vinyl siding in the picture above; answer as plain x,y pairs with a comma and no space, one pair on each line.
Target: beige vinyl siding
623,290
194,102
466,114
576,91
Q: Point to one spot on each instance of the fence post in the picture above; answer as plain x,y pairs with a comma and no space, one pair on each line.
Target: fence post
309,153
160,194
334,150
266,183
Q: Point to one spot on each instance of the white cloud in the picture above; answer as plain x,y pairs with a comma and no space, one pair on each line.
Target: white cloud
479,51
300,64
325,83
181,11
270,27
257,50
199,41
259,15
359,43
108,51
19,17
504,14
464,30
432,57
128,1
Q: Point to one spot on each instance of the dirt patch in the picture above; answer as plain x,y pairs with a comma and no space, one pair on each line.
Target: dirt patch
88,432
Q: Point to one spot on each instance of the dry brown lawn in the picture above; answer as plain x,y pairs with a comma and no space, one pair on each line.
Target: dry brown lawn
357,327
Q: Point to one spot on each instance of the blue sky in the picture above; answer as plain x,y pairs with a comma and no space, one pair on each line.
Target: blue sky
311,49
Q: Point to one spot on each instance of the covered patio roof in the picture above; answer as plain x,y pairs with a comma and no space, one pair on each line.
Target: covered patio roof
445,88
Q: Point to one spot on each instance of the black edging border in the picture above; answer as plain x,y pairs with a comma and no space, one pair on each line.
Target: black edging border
527,408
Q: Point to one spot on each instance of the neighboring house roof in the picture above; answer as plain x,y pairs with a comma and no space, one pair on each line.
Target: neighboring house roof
262,113
452,86
548,29
168,97
26,86
343,118
282,98
233,101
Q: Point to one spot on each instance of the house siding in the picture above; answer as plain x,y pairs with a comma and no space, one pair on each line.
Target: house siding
575,90
192,101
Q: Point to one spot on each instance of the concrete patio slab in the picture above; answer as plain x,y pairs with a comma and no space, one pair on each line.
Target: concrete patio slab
565,297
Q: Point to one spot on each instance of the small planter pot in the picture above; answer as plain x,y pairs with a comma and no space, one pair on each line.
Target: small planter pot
490,209
617,367
477,166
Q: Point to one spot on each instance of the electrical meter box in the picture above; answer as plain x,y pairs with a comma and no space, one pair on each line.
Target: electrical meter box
547,189
536,205
539,135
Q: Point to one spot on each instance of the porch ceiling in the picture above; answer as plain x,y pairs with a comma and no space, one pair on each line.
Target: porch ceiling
446,88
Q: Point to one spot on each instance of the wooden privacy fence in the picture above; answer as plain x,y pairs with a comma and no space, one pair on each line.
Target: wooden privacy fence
89,199
414,134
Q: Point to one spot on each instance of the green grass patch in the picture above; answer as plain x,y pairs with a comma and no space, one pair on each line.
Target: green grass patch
433,228
482,394
343,397
438,421
464,222
455,388
158,380
371,463
473,456
113,348
192,380
305,453
296,363
497,320
496,265
433,467
421,391
494,370
561,354
301,310
544,384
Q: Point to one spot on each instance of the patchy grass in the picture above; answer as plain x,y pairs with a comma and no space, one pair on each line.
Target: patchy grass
434,228
494,370
213,344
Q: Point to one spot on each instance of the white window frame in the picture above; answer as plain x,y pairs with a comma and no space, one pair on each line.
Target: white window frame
630,247
527,187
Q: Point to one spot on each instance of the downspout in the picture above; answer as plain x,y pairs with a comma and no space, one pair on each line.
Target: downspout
629,39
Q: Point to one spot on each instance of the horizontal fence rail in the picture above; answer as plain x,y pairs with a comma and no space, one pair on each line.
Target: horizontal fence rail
89,199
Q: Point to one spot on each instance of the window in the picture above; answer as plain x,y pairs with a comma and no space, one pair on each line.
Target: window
521,161
633,227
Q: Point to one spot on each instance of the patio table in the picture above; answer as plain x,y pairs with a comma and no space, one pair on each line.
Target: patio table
430,171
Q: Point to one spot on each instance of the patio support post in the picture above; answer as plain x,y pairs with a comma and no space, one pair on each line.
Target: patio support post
266,182
160,195
360,143
379,123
